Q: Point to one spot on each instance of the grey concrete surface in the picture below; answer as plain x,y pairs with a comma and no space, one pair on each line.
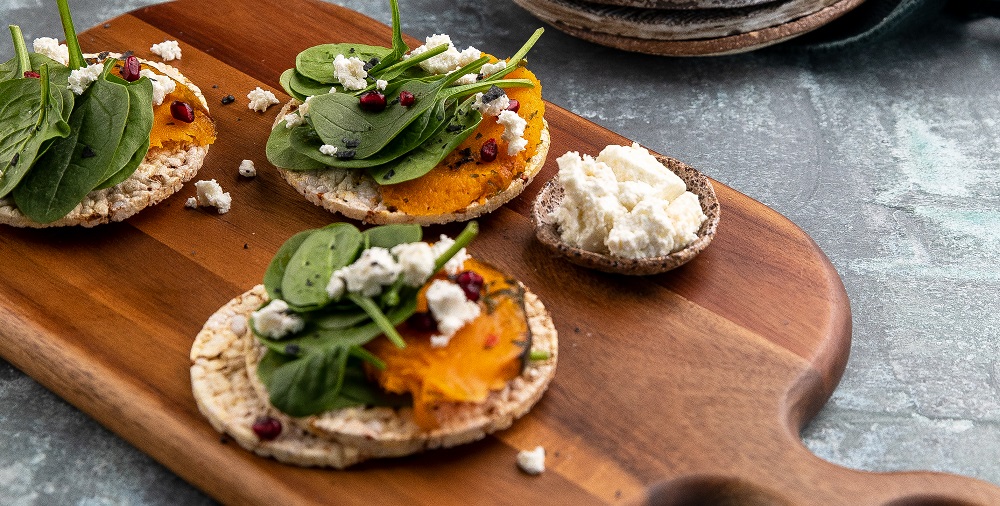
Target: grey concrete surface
887,157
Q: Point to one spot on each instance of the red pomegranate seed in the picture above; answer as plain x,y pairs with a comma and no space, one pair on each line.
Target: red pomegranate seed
32,73
130,69
488,152
514,105
423,322
372,101
492,340
470,283
406,98
181,111
267,428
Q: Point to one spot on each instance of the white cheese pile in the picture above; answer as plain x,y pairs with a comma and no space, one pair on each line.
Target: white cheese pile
162,85
450,308
274,320
350,72
450,60
168,50
625,203
80,79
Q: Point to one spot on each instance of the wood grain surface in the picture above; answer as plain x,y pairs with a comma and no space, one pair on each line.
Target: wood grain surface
684,388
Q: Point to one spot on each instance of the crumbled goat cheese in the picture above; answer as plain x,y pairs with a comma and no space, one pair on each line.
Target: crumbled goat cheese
532,461
381,84
416,260
191,202
374,269
168,50
513,131
162,85
247,169
457,262
293,119
261,99
625,203
492,68
274,321
450,308
52,48
492,108
467,79
80,79
328,149
447,61
211,194
350,72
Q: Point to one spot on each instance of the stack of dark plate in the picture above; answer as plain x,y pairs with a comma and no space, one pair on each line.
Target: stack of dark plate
687,27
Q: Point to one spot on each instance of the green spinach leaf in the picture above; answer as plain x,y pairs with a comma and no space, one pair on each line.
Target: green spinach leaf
135,138
276,269
387,236
308,270
316,62
280,153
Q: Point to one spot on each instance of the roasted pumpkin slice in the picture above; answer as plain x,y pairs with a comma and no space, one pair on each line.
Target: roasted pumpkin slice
168,130
483,356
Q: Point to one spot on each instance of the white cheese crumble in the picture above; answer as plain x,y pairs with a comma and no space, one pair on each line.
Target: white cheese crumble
381,84
467,79
293,119
494,107
374,269
447,61
416,261
274,321
328,149
168,50
625,203
80,79
532,461
191,202
211,194
162,85
450,308
350,72
52,48
457,262
492,68
261,99
247,169
513,131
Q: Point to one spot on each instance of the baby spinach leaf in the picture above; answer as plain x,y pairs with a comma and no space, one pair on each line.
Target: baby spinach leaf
387,236
339,320
308,271
276,269
135,137
514,61
30,115
75,165
306,87
316,62
285,80
429,154
280,153
308,385
58,73
399,47
20,51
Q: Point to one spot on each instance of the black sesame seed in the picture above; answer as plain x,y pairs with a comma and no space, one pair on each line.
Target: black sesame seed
107,25
102,55
215,86
346,154
128,53
390,174
246,245
228,99
351,143
292,349
87,152
13,161
452,128
351,51
492,94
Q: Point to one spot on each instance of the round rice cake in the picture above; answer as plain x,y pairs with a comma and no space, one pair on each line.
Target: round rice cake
225,357
160,175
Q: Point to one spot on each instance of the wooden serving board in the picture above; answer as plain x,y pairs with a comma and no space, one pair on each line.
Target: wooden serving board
684,388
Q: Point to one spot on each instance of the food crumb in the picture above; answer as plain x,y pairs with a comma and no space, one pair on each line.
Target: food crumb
247,169
191,202
168,50
211,194
532,461
261,99
228,99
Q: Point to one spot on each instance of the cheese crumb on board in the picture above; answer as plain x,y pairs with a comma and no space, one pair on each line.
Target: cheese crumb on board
261,99
247,169
168,50
532,461
211,194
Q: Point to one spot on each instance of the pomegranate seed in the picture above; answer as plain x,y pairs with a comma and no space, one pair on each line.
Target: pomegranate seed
267,428
372,101
514,105
130,69
423,322
406,98
470,283
488,152
492,340
181,111
32,73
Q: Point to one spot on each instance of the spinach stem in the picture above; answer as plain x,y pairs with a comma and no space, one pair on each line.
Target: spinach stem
370,307
23,63
413,60
463,239
518,56
367,356
75,54
539,355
